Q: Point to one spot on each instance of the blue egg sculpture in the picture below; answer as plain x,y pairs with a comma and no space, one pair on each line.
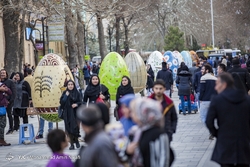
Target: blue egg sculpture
187,58
172,62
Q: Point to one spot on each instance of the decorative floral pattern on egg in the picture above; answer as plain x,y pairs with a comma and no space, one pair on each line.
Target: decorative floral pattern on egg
137,70
112,69
48,84
172,62
155,60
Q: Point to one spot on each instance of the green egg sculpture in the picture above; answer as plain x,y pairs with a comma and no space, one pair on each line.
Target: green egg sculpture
51,117
112,69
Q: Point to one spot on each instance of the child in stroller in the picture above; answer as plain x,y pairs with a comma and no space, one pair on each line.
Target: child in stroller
194,106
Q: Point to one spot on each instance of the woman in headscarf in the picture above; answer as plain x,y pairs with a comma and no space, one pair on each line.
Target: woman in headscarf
124,89
147,114
22,100
95,90
150,79
70,100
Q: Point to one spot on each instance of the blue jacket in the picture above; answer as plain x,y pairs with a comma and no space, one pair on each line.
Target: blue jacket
207,87
166,76
86,72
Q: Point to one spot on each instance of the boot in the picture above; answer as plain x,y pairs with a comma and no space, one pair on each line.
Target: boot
77,144
3,143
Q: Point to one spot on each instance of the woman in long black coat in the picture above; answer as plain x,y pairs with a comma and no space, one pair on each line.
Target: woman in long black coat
150,79
95,89
22,99
124,89
184,81
70,100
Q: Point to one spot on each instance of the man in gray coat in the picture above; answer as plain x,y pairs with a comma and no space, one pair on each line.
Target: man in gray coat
100,151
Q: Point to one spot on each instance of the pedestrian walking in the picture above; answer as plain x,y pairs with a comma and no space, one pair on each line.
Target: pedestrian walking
147,114
150,79
231,109
69,101
95,89
207,84
4,93
184,81
124,89
167,77
221,68
41,128
100,151
243,73
22,100
11,85
86,74
168,108
57,142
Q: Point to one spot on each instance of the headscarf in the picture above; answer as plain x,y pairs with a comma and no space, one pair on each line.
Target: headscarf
95,89
148,112
123,90
73,94
20,75
127,99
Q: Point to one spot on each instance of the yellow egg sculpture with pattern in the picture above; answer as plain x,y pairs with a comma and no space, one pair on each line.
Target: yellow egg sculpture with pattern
49,77
137,71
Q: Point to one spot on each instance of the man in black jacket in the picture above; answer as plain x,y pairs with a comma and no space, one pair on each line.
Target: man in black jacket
167,77
243,73
11,85
231,109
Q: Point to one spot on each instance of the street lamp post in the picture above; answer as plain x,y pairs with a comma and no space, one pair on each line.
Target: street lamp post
212,18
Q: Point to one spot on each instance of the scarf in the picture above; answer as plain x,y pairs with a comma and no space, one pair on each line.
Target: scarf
95,89
73,94
127,89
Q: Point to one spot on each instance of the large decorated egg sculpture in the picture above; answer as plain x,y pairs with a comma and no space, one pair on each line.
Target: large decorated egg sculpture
112,69
194,57
172,62
48,85
187,58
155,60
137,71
178,56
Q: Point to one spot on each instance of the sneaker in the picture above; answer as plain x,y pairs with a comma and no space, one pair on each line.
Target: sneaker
211,137
9,132
39,136
72,147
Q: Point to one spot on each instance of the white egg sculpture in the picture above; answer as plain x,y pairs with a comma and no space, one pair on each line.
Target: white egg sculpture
155,60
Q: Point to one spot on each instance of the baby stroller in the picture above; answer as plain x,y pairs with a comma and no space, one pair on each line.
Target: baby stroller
194,106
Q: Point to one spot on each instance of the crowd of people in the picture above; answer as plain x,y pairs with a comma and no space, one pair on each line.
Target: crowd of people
144,131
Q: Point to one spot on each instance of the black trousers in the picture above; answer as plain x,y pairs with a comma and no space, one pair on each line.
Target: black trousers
232,165
10,116
17,121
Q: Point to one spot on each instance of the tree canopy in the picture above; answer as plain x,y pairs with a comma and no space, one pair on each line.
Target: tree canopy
174,40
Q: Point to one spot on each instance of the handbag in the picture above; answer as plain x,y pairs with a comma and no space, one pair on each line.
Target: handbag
2,111
100,100
31,111
60,112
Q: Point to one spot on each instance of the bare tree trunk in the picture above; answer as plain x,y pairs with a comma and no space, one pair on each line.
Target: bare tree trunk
80,40
70,33
21,41
10,25
117,35
101,38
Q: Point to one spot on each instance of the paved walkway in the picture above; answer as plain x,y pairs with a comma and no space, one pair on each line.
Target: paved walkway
190,143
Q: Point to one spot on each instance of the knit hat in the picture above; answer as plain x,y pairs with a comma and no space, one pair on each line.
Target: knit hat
104,111
235,61
90,115
148,112
126,99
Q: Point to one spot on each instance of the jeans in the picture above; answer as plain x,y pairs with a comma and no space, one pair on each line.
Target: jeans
204,105
41,126
183,104
197,95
